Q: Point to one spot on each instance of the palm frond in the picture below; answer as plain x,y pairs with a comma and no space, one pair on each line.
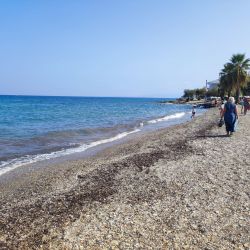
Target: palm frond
237,58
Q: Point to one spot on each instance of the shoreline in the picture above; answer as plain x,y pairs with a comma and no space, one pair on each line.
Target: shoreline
87,149
81,123
198,103
163,189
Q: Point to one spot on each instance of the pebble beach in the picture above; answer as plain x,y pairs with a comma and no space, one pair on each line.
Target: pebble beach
183,187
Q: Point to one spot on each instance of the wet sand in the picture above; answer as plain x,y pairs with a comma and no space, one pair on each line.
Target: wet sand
184,187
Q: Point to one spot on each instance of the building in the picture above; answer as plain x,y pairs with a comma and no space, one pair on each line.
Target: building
212,84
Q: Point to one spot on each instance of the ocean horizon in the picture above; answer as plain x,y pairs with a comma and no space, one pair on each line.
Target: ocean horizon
36,128
83,96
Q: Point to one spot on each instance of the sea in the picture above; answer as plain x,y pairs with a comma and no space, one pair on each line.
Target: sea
38,128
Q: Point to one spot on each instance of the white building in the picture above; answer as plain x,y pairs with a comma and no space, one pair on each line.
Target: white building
212,84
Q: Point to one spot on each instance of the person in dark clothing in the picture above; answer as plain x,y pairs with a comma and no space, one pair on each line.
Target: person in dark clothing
193,112
246,105
230,115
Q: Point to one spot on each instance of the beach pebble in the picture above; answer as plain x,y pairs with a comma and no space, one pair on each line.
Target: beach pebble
171,189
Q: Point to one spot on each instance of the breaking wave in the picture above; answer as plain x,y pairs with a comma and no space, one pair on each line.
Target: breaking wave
168,117
7,165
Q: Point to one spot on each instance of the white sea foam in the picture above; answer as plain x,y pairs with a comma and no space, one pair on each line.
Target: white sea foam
168,117
28,159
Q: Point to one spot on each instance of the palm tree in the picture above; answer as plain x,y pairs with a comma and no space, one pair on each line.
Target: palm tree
226,80
239,66
246,89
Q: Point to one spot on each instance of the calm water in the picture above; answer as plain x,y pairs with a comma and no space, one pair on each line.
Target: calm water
34,128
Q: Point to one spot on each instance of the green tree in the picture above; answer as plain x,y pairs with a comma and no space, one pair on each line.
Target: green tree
213,92
189,93
246,90
239,65
226,85
200,93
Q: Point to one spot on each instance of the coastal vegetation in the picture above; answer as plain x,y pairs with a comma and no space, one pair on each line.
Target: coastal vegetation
200,93
234,76
234,80
246,89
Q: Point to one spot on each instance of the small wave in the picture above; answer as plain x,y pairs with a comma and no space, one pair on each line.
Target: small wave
11,164
168,117
55,136
28,159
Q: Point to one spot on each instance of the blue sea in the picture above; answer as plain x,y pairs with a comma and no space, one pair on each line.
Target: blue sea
36,128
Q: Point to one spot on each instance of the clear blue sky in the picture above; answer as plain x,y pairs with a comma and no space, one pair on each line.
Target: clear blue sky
117,48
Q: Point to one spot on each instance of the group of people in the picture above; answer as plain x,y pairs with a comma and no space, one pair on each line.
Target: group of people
229,113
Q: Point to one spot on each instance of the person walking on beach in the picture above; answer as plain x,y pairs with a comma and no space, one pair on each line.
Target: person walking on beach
230,115
193,112
246,105
241,105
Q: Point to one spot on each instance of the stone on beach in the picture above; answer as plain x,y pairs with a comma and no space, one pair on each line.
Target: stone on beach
185,187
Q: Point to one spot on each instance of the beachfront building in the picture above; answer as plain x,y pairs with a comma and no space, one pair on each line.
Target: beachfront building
212,84
212,89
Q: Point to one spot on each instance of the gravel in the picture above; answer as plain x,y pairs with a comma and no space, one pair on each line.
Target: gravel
184,187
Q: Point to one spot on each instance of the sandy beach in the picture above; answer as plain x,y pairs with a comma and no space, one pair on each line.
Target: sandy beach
184,187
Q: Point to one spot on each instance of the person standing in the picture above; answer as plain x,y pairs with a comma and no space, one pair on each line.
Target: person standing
246,105
193,112
230,115
241,104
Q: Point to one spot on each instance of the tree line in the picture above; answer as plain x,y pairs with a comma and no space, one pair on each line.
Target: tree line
233,81
200,93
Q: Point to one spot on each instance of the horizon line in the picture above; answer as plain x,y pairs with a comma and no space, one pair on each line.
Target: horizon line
84,96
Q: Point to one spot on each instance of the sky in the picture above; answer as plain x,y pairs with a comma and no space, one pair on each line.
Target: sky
137,48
